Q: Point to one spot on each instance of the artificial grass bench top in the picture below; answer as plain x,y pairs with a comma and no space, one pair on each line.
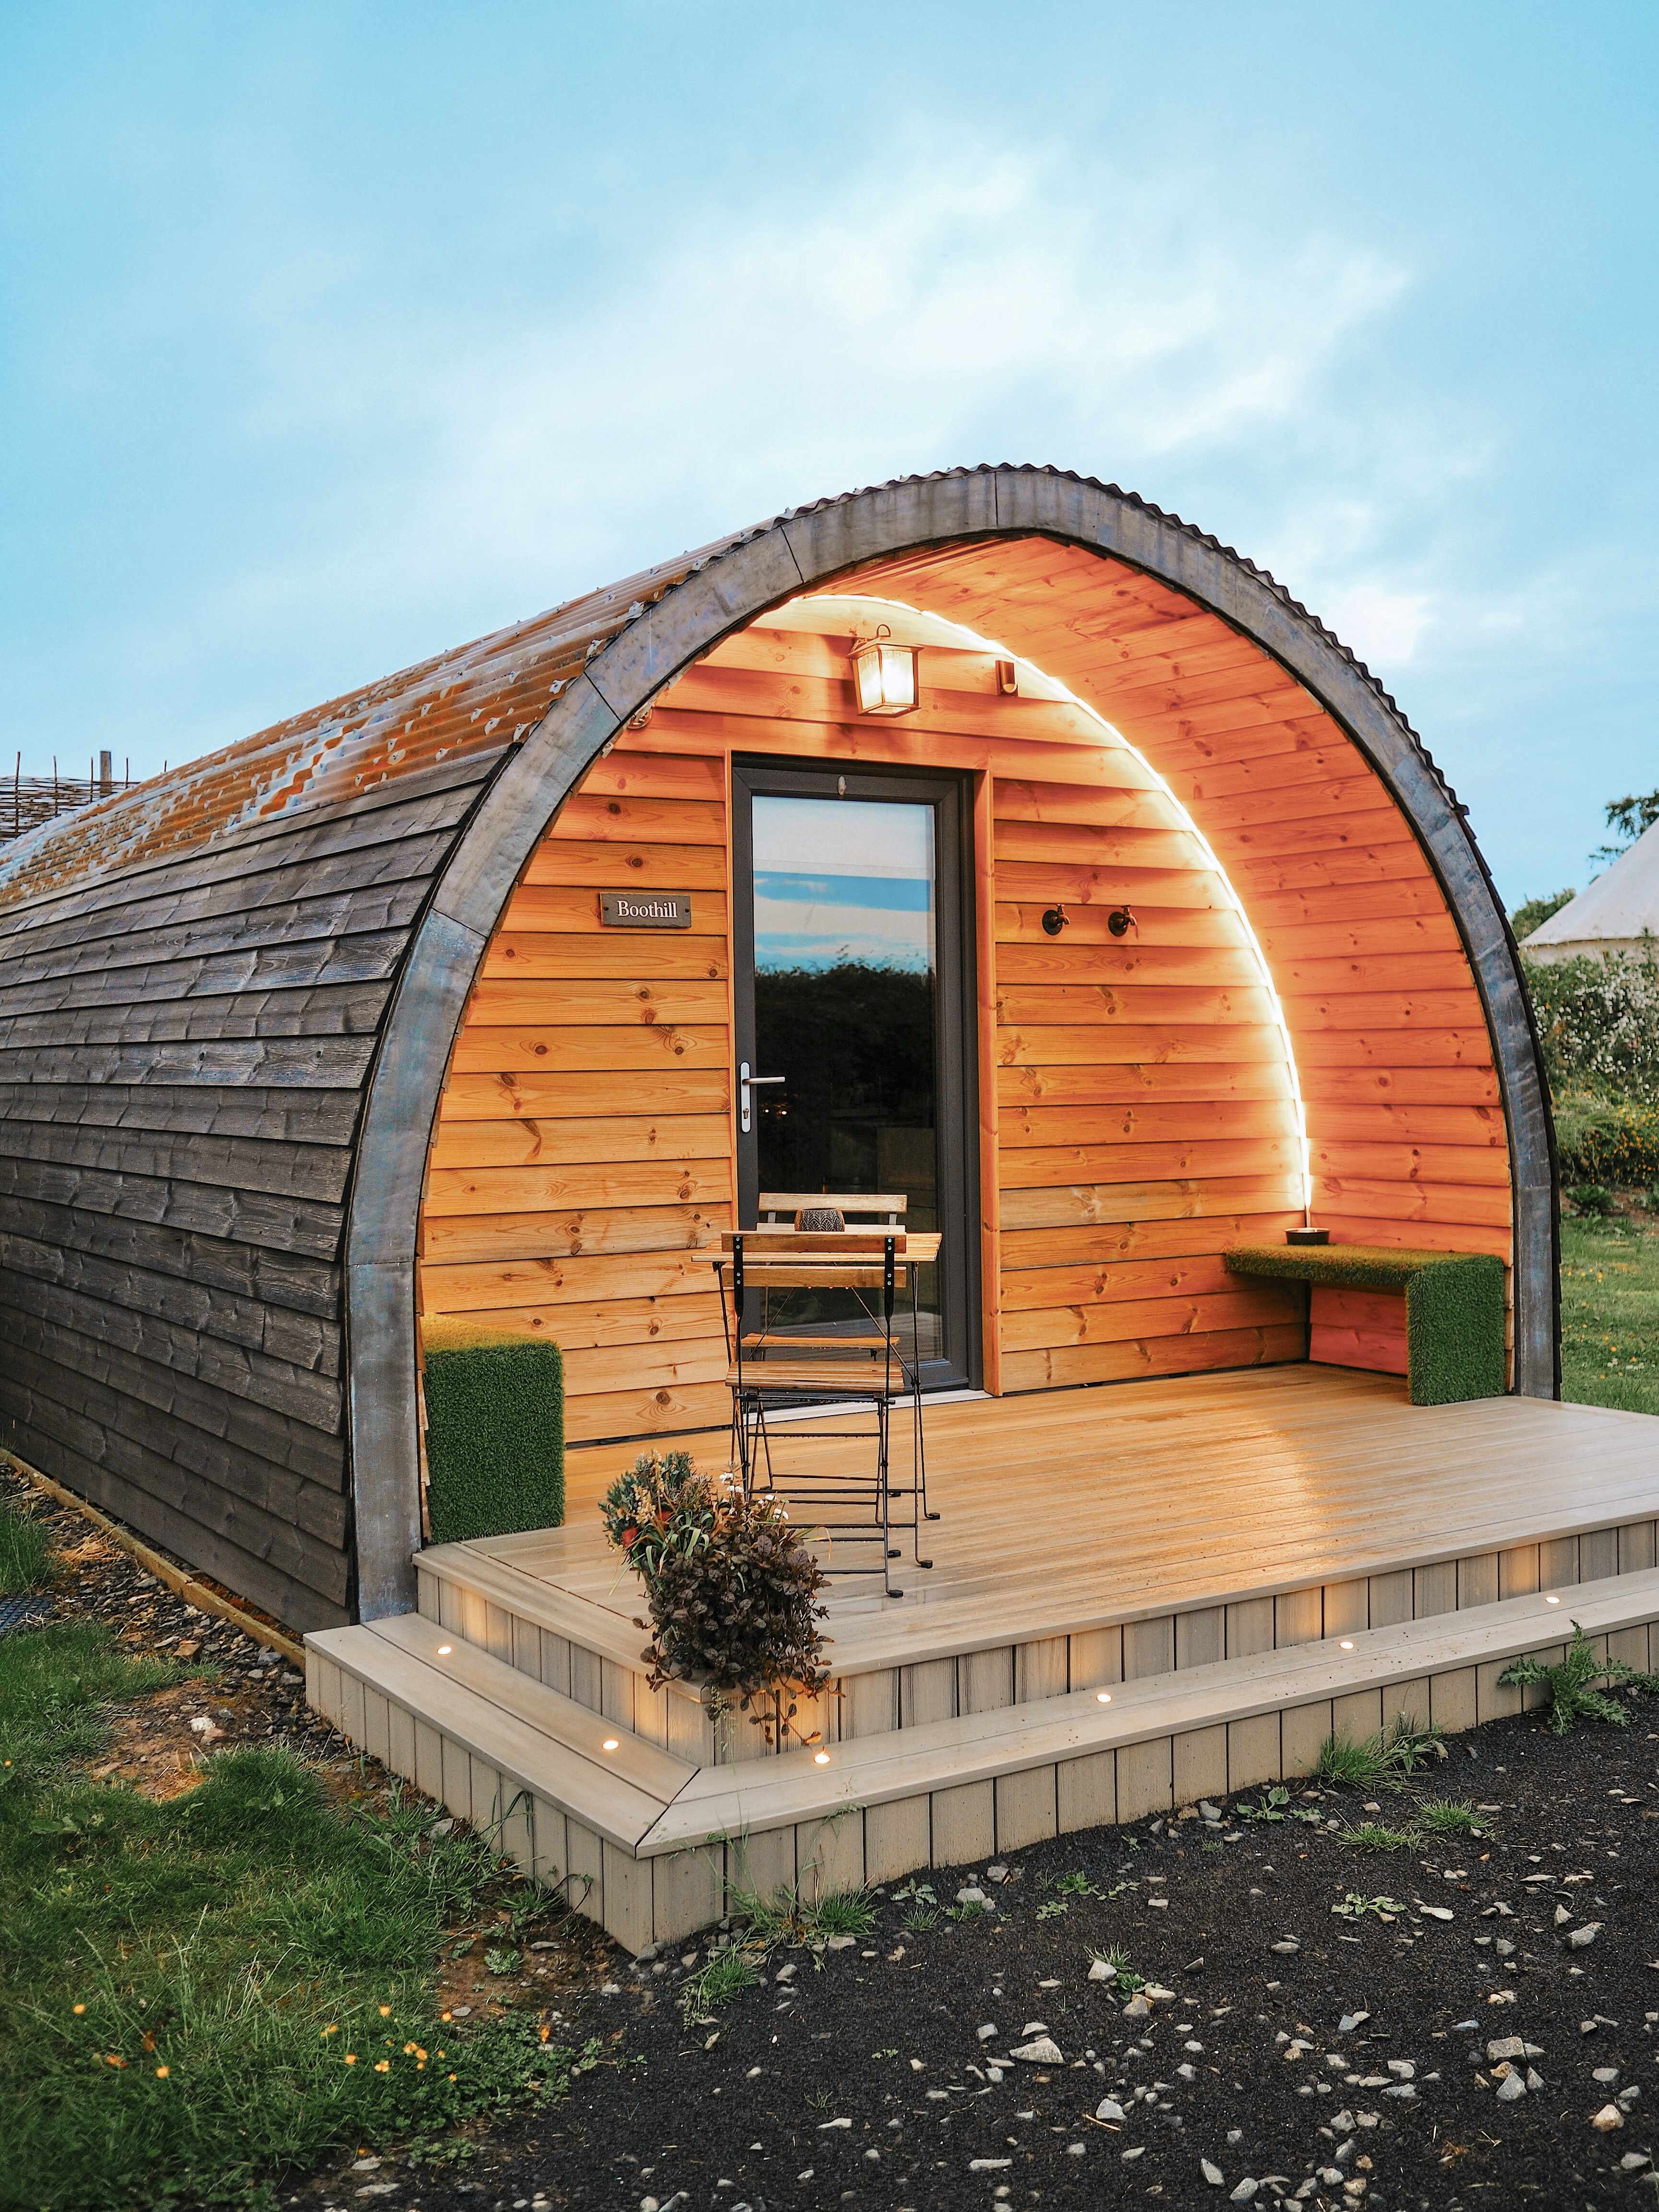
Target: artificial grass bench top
494,1431
1454,1307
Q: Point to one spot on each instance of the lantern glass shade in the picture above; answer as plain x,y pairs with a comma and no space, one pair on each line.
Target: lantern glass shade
886,677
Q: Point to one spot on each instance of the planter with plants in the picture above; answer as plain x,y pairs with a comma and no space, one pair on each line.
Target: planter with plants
731,1587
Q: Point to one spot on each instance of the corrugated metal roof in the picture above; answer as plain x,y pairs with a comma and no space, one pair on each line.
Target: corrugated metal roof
471,703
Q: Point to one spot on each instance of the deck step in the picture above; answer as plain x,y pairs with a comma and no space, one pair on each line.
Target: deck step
647,1840
530,1737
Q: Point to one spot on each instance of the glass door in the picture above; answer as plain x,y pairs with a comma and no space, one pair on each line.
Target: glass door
852,950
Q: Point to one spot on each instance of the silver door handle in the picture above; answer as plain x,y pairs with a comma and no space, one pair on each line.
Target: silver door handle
746,1083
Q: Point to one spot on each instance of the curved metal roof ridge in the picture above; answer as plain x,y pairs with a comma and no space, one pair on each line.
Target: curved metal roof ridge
301,761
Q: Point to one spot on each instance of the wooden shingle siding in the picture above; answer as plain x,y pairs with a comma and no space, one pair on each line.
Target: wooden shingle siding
183,1050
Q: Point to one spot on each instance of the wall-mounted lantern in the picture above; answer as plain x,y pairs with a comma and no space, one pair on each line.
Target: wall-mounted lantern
888,677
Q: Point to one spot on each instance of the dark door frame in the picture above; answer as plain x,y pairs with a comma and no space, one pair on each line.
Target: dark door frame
956,1056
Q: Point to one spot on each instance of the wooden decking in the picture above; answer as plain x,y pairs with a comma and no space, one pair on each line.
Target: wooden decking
1068,1512
1251,1562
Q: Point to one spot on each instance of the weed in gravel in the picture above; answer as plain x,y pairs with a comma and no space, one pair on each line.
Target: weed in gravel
1385,1760
973,1911
1448,1816
1127,1981
789,1916
1053,1908
1355,1906
923,1901
501,1962
840,1912
725,1976
1075,1885
1271,1807
1372,1836
1570,1695
27,1560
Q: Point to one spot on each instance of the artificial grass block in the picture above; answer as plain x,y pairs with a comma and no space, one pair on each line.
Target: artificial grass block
1454,1307
494,1432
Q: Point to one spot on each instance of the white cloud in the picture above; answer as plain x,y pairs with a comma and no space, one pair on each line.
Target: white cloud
755,361
1382,626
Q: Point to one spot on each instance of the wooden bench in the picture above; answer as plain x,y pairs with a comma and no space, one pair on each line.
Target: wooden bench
1453,1308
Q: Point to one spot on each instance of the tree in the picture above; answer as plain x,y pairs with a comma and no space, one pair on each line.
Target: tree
1532,913
1631,818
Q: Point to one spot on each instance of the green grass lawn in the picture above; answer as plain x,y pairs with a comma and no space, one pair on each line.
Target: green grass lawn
1610,1314
201,1993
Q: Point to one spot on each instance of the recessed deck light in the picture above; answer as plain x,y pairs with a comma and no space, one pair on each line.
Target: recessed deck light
820,1759
611,1743
1103,1697
1551,1601
444,1650
1347,1643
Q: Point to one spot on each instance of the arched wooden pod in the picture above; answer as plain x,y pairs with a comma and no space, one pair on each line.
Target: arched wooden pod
997,549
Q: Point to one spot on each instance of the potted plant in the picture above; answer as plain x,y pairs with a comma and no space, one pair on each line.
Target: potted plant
730,1586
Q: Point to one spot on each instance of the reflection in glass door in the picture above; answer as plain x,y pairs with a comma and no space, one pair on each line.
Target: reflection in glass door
849,988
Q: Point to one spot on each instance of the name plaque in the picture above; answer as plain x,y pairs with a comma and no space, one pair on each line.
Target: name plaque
645,909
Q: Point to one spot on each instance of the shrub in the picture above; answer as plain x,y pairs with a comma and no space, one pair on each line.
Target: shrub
494,1437
1533,913
1592,1199
1598,1023
661,1502
1607,1140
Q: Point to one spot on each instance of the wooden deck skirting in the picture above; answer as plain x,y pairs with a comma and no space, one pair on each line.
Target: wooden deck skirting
646,1841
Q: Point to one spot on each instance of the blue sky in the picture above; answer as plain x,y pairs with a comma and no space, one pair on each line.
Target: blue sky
332,335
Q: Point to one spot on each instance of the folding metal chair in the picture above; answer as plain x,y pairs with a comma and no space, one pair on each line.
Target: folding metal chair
861,1367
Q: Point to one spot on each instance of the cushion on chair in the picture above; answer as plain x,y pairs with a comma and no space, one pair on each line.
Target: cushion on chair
823,1220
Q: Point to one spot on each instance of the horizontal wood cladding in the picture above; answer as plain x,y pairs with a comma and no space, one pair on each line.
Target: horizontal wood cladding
183,1045
1382,1007
1144,1111
1143,1079
1357,1328
582,1166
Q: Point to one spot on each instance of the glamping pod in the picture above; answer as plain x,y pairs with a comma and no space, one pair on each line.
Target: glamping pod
1089,897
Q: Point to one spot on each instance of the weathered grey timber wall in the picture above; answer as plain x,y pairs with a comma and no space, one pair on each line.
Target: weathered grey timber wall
184,1049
